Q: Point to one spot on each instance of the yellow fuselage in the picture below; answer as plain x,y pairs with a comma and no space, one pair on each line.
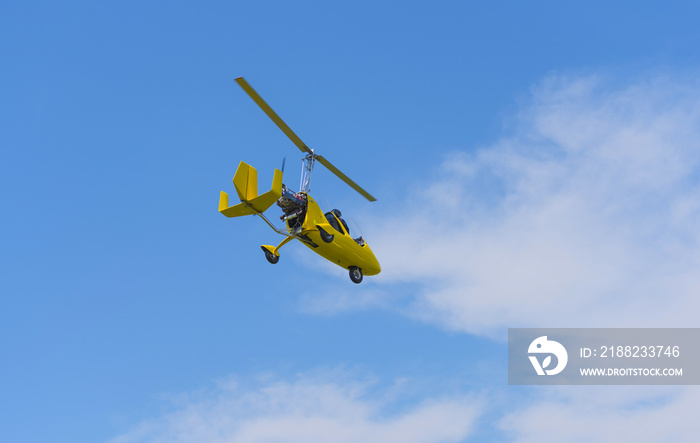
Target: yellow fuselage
343,250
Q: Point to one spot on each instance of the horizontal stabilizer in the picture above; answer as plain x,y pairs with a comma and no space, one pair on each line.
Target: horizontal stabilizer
246,183
262,202
234,211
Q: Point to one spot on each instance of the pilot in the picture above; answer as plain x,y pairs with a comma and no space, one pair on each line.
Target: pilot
345,225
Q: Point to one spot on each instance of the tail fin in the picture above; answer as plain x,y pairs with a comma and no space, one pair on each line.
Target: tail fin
246,183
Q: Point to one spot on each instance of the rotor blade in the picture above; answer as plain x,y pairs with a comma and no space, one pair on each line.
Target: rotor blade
345,178
273,116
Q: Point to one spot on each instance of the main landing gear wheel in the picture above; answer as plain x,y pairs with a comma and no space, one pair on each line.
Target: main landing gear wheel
326,237
355,274
272,258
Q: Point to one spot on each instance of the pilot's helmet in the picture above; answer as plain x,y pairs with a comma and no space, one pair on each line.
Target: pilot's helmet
336,212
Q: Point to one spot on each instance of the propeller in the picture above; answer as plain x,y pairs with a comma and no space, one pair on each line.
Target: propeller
296,140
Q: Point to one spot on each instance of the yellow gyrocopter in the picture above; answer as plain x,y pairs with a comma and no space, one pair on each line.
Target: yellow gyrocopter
325,234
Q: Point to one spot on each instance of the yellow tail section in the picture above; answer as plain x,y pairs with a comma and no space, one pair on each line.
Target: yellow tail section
246,183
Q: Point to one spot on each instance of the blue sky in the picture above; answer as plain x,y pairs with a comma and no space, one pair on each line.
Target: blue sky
535,164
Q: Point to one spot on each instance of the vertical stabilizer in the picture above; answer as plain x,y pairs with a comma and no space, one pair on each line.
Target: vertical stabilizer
246,184
246,181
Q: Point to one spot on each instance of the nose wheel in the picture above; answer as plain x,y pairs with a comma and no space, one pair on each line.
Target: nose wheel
355,274
272,258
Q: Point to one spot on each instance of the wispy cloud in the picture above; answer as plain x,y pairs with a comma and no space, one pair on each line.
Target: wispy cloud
586,215
313,407
608,414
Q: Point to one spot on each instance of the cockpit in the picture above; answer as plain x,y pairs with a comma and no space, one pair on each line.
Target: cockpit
336,221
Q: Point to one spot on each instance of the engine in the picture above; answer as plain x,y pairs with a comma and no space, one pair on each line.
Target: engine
293,205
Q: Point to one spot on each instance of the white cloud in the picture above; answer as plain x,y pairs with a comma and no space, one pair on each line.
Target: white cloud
588,215
608,414
311,408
